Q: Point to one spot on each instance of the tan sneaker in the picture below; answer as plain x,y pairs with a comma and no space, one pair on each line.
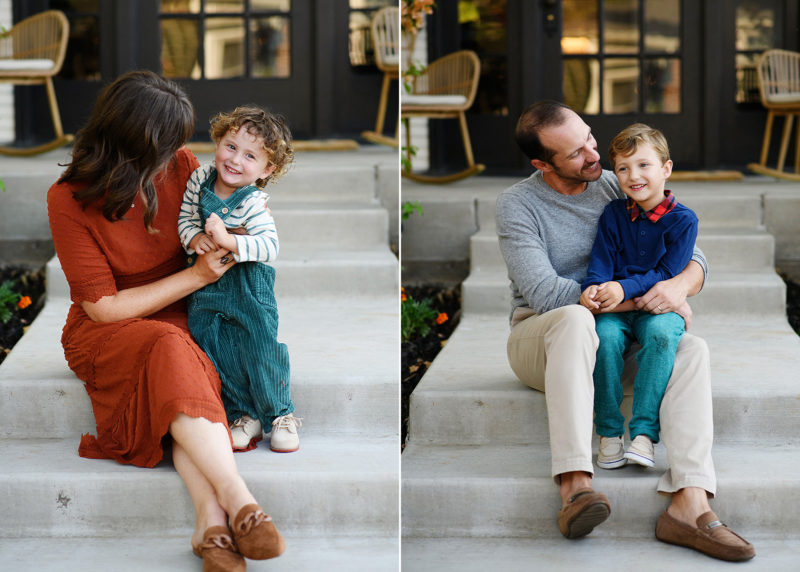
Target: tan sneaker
246,432
284,438
642,451
611,453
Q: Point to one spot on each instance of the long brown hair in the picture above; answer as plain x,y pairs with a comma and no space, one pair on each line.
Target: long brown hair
138,123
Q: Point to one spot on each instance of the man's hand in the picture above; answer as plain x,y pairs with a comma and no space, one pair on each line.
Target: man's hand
587,298
665,296
609,295
203,244
685,312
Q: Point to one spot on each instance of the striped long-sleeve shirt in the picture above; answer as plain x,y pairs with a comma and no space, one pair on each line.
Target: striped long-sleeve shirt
260,244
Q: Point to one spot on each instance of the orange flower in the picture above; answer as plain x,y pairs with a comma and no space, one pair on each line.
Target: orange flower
24,302
403,296
441,318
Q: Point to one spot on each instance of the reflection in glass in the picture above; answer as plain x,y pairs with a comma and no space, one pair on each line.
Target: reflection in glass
271,5
621,26
621,85
82,60
662,85
224,48
270,53
747,79
362,51
179,44
180,6
483,29
223,6
579,34
662,26
755,25
81,6
581,84
363,4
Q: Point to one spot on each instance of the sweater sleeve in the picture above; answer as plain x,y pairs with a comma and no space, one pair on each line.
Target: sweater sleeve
524,250
260,244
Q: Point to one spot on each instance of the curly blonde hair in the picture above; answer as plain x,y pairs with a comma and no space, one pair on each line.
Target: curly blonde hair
271,128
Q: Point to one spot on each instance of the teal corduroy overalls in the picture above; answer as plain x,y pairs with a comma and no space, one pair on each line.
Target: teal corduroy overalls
235,321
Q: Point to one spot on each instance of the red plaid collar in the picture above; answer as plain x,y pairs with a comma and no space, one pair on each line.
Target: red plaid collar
656,212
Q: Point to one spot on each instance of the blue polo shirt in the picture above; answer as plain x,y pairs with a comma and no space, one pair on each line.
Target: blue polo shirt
639,253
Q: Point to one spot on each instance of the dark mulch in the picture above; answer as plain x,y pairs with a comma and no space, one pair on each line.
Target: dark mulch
27,282
418,353
793,304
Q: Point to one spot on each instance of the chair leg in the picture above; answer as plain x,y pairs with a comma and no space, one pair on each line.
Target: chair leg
382,105
51,97
462,120
797,148
767,136
407,124
787,131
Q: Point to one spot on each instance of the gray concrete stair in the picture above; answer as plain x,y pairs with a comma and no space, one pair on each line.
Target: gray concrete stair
335,500
477,490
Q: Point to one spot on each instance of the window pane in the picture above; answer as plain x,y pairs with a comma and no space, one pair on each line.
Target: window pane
271,5
662,26
483,30
747,79
224,48
581,84
620,85
362,4
180,6
217,6
662,85
621,27
82,60
179,45
270,52
580,27
755,25
82,6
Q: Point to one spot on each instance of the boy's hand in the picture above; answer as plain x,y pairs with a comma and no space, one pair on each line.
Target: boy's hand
587,298
203,244
215,228
609,294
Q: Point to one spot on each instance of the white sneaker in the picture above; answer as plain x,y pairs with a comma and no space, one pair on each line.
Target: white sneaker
284,438
611,453
641,451
246,432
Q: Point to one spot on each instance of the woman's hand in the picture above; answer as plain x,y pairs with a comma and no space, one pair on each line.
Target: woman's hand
211,266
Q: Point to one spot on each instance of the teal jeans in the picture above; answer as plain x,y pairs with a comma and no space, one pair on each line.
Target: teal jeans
235,321
658,334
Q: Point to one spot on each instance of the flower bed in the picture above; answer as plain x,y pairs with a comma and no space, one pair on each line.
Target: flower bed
22,295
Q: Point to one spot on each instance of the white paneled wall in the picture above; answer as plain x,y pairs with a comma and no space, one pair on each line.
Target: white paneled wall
419,127
6,90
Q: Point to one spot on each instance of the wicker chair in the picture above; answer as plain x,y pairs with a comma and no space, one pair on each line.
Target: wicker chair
779,87
386,42
446,89
31,53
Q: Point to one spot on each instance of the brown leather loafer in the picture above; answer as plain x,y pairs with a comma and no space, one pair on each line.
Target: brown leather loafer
256,535
583,511
218,551
711,537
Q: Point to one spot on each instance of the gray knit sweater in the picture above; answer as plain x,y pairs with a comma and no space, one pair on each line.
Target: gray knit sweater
546,239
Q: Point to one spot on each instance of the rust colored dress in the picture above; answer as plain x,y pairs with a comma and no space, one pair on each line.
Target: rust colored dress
139,373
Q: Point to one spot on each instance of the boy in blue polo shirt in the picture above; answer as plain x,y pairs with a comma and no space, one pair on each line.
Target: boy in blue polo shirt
640,241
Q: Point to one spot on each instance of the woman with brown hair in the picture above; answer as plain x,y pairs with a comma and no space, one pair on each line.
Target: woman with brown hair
113,216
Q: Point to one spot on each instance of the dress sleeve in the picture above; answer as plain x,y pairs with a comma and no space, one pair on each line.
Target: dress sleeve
84,264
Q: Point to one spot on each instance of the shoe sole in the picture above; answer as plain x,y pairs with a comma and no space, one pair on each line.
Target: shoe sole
640,459
587,520
612,464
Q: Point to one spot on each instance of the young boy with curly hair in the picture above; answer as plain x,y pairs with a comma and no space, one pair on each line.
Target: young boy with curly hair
235,320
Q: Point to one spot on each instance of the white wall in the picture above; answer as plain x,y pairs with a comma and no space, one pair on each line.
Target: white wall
6,89
419,126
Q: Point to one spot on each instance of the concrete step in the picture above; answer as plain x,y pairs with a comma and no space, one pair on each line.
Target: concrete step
589,554
470,396
163,553
344,370
501,490
753,292
331,225
726,249
330,487
305,273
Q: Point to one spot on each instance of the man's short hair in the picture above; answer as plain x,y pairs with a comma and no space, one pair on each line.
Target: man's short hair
628,140
538,116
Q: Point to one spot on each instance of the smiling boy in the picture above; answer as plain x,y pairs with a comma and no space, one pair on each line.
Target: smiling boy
640,241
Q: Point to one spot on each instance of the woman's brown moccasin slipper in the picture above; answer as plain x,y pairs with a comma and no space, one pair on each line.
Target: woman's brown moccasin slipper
256,535
218,551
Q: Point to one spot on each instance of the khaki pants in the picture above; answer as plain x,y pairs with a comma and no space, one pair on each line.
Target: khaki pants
555,353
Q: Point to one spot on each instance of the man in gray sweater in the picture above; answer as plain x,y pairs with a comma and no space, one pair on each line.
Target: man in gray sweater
546,225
